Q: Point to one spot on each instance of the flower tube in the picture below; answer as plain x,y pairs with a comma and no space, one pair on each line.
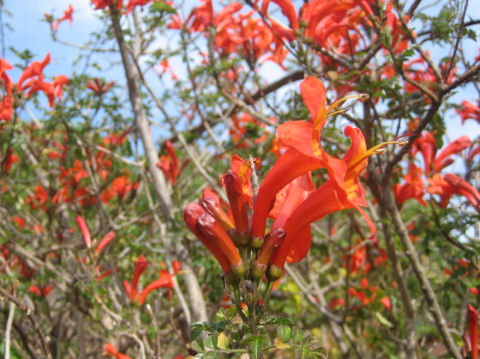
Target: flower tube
192,213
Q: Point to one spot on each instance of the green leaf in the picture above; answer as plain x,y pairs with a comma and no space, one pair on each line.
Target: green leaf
196,332
285,333
214,338
162,6
256,347
280,321
298,337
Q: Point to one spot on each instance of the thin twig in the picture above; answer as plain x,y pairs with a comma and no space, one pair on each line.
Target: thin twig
31,318
8,328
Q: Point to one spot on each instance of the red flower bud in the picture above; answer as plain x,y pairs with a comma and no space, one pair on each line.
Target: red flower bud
215,234
237,199
191,214
140,267
82,225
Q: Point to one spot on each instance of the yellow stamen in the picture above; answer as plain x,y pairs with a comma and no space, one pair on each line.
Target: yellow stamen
361,97
380,148
402,141
335,113
322,116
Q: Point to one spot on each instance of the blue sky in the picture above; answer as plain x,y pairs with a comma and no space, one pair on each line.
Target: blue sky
30,31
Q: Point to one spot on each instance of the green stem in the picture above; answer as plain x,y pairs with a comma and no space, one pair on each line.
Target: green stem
238,306
268,293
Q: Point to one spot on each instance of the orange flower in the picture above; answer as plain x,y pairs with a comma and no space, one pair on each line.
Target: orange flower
32,72
471,337
450,184
67,15
112,350
214,233
191,215
132,288
10,159
469,111
287,9
7,81
82,225
426,144
105,241
98,86
6,109
102,4
412,188
303,153
165,281
170,165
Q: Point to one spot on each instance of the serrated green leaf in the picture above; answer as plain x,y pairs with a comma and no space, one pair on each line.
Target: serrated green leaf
196,332
280,321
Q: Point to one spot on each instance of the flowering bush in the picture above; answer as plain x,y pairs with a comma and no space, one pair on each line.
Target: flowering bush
259,179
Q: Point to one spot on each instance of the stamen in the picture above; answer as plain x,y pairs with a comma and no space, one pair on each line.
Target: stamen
402,141
360,97
380,148
337,112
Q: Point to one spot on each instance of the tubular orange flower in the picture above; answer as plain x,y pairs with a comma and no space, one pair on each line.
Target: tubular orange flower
34,70
287,9
7,81
10,159
82,225
343,190
140,267
287,201
191,215
426,144
67,15
99,87
112,350
450,184
412,188
170,165
213,208
304,152
469,111
165,281
443,160
289,198
237,200
215,234
201,17
319,203
472,318
102,4
109,237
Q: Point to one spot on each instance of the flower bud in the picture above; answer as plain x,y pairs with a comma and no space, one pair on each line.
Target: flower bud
214,234
236,198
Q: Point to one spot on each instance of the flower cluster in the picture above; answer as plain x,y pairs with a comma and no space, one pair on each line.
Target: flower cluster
287,195
31,81
434,161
